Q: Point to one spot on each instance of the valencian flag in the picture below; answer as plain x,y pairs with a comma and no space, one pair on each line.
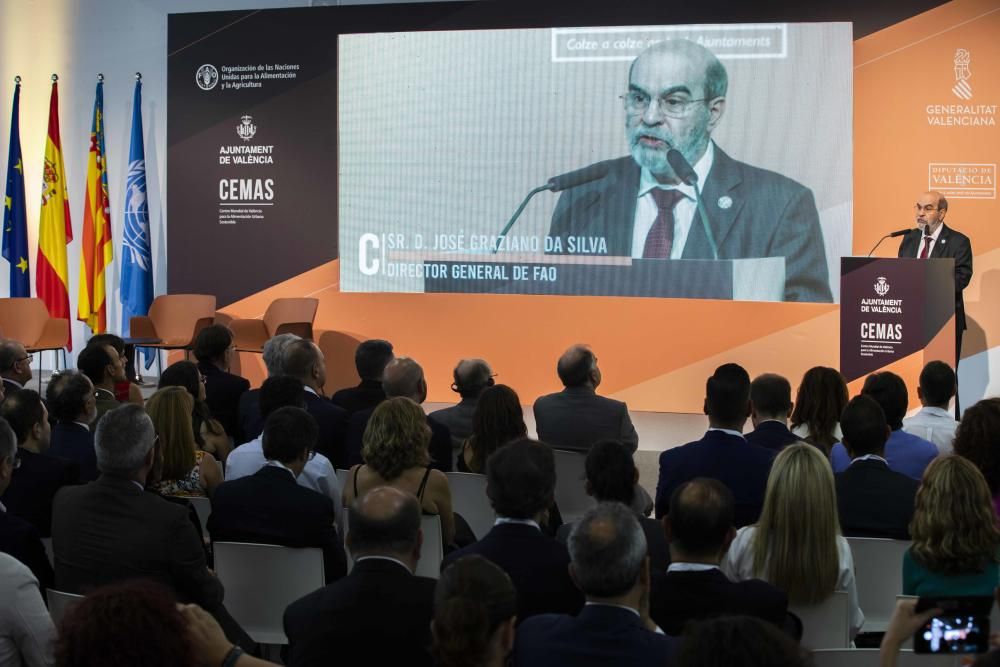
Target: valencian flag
96,248
15,221
54,231
137,256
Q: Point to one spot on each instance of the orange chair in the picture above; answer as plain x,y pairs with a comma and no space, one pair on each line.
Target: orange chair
174,320
293,315
27,321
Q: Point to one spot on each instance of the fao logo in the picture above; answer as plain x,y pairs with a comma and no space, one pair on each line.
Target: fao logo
206,77
246,129
881,286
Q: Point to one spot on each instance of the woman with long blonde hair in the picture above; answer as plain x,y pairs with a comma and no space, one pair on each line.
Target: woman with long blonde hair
796,545
955,535
186,471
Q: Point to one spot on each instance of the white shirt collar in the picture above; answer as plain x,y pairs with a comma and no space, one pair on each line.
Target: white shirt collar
14,382
935,412
937,232
522,522
310,390
727,430
704,164
870,457
3,508
83,424
279,464
691,567
617,606
394,560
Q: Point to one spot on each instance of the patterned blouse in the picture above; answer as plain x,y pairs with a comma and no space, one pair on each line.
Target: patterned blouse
189,485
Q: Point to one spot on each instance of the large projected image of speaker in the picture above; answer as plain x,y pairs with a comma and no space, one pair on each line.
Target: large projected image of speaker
701,161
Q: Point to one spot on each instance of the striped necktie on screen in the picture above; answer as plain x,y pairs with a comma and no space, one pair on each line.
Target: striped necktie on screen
660,238
927,247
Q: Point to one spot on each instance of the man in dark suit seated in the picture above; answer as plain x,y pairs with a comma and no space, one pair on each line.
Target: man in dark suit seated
101,363
111,530
471,378
521,483
251,421
270,507
613,477
370,360
40,475
576,417
609,564
770,407
379,614
304,361
723,453
15,365
403,377
872,500
70,396
19,538
214,350
700,529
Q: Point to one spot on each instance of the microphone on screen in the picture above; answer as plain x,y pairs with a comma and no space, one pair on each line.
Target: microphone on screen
687,175
890,235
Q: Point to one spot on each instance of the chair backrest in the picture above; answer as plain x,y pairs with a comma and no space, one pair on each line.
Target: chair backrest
468,498
291,315
432,552
878,569
571,496
825,625
47,544
60,603
177,317
869,657
23,319
261,580
203,507
343,478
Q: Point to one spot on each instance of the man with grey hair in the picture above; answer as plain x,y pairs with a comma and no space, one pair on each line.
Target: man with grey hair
304,361
608,562
472,378
642,208
251,421
403,377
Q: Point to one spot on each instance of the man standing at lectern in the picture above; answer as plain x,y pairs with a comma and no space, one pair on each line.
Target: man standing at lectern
933,239
676,97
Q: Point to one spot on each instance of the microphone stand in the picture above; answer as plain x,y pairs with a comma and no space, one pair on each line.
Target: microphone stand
517,213
878,244
704,220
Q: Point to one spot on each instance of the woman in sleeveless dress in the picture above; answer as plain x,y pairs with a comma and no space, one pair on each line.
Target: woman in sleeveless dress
187,471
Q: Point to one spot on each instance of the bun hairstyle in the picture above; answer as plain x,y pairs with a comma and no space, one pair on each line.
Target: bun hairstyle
473,598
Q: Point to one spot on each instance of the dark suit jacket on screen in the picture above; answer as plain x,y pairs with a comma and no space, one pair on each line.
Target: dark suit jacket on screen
576,418
35,484
728,458
949,244
679,597
75,442
600,635
332,423
768,215
772,435
537,565
439,447
269,507
366,395
379,614
874,501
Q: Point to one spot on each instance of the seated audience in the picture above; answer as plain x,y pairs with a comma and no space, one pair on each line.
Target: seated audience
797,545
472,378
613,477
209,435
251,421
978,440
125,390
318,473
110,530
39,476
475,609
497,420
304,361
821,397
609,564
370,360
521,482
905,453
19,538
70,397
955,535
723,453
739,641
214,350
270,507
395,453
15,365
872,500
770,408
404,378
700,529
187,471
934,422
576,417
104,366
380,613
26,630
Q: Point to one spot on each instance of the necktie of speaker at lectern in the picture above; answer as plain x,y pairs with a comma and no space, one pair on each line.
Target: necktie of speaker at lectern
927,247
660,238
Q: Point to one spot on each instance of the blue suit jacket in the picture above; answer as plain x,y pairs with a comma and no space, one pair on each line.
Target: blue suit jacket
728,458
600,635
76,443
906,453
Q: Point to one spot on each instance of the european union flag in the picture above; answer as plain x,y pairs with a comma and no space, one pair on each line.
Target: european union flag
15,222
137,256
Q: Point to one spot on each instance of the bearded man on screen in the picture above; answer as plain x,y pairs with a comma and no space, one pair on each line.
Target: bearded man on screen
676,97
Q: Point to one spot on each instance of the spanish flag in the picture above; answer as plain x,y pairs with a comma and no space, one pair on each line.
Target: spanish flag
96,250
54,230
